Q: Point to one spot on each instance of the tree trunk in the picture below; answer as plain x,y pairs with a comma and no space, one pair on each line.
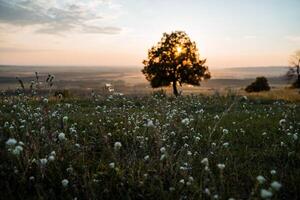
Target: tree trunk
175,91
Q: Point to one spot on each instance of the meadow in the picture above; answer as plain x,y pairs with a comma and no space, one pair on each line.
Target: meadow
149,147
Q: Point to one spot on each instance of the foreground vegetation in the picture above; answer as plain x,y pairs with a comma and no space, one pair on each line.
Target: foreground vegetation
151,147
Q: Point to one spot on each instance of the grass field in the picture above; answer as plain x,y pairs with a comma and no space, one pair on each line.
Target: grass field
151,147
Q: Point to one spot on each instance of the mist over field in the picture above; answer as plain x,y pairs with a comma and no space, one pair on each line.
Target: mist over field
130,79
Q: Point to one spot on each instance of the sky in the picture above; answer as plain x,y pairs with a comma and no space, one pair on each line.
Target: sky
228,33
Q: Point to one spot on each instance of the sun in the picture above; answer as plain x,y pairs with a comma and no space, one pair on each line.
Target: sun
179,49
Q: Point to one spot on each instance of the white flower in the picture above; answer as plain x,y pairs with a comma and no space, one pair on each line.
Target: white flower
221,166
226,144
295,136
225,131
117,145
265,194
276,185
189,153
65,182
65,119
18,149
205,161
112,165
181,181
43,161
146,157
149,123
11,142
273,172
282,122
45,100
260,179
77,145
207,191
51,158
61,137
185,121
163,150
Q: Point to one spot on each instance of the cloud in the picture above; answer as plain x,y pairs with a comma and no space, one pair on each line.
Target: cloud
104,30
21,50
57,16
249,37
293,38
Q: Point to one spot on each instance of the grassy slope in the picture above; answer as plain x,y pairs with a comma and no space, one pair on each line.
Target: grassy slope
249,152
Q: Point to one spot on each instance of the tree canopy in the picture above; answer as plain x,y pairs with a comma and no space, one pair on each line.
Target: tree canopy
175,59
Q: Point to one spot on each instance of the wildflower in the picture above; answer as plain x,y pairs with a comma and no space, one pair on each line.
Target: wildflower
112,165
45,100
205,161
264,133
182,181
51,158
65,182
207,191
273,172
282,122
77,145
163,150
117,145
217,117
221,166
185,121
149,123
295,136
43,161
226,144
65,119
276,185
260,179
18,149
225,131
189,153
61,137
146,157
265,194
11,142
245,98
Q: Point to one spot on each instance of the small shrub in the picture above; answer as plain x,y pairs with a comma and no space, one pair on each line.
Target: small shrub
296,84
260,84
